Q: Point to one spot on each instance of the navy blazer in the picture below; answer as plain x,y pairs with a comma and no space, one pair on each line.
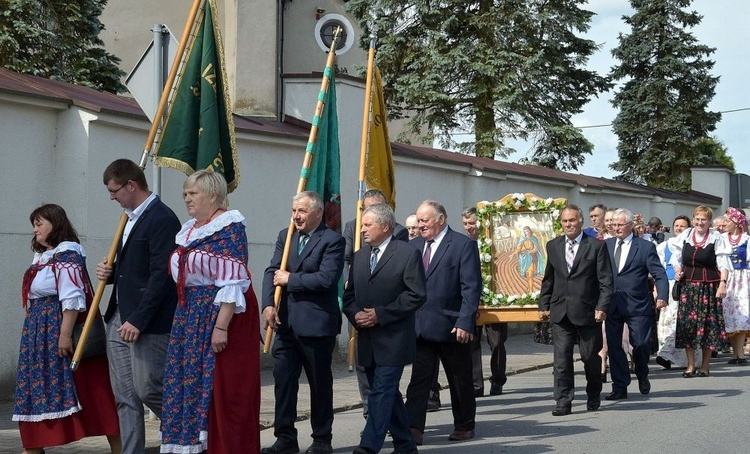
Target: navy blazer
143,289
395,289
586,288
454,286
309,302
632,295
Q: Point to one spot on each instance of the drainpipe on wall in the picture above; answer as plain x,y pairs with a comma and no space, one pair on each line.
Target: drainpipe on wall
280,59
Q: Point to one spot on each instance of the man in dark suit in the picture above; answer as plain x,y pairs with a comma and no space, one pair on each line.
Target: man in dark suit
307,323
141,308
633,261
575,295
371,197
386,286
446,322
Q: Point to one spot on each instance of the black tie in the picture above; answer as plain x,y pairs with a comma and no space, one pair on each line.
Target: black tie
618,253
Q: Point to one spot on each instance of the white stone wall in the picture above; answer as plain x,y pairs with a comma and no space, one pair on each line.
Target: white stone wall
55,152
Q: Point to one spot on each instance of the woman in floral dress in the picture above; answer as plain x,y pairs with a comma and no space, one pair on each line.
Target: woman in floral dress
737,302
668,355
53,404
700,258
212,377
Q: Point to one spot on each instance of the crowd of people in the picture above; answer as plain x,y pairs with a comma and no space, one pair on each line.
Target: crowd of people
182,322
684,298
181,326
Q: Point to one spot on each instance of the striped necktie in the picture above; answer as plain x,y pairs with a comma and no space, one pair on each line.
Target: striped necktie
374,259
570,253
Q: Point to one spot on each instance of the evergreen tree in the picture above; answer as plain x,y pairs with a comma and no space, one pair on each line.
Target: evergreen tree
664,122
59,40
504,69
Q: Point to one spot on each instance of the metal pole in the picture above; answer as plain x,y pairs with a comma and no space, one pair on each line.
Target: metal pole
159,80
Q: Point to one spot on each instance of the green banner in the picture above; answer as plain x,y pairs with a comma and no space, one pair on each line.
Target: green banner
198,130
324,176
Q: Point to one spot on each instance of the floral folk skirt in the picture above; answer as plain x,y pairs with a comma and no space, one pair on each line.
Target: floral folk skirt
700,317
188,376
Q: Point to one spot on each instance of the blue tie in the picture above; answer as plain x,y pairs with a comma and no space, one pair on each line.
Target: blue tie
303,237
374,259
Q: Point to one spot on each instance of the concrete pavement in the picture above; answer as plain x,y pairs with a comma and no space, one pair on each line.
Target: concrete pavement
523,356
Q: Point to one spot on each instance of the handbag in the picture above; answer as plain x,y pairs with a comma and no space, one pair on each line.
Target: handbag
676,290
96,343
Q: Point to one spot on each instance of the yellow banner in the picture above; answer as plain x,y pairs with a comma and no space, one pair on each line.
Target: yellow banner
379,173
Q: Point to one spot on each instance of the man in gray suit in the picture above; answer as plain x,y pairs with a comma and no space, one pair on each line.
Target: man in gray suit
575,296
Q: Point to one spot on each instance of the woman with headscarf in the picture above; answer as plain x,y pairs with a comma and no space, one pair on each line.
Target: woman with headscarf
736,304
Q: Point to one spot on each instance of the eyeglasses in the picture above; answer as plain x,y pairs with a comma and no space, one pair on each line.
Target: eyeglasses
619,226
114,192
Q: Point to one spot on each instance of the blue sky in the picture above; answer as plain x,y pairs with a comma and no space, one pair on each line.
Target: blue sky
724,26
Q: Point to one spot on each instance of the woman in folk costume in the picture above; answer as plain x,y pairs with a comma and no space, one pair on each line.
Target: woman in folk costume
736,304
53,404
668,355
700,258
212,377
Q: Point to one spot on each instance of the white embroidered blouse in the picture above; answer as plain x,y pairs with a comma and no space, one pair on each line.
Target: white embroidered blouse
232,277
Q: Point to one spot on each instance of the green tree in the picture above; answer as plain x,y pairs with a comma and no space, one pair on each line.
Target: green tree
59,40
502,69
663,122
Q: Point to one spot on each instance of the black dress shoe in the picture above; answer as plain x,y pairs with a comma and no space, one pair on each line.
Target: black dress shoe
281,447
593,405
665,363
320,447
478,393
362,450
461,435
496,389
617,395
644,386
561,411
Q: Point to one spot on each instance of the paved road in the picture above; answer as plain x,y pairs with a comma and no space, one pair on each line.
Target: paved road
697,415
682,416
